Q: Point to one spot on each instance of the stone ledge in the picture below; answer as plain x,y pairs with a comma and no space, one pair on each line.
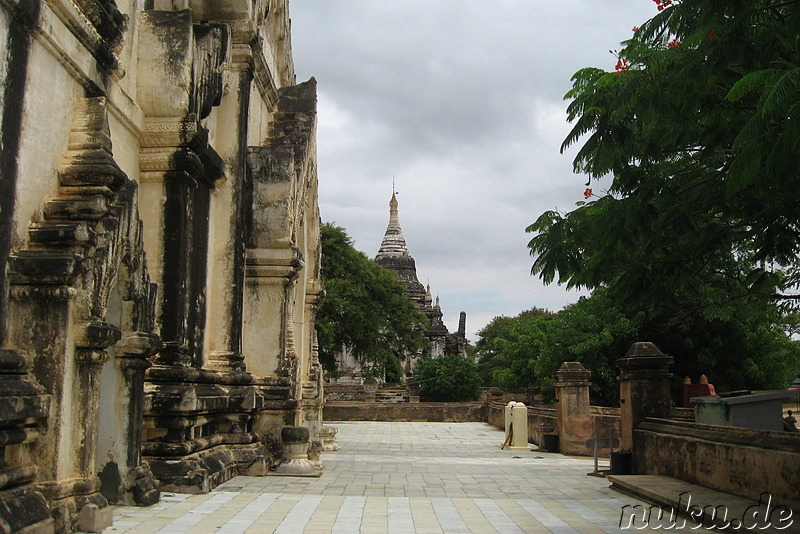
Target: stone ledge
671,492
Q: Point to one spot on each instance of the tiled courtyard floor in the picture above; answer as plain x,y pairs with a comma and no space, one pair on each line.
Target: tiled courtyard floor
402,478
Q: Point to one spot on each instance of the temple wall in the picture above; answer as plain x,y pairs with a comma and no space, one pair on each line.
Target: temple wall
138,345
43,126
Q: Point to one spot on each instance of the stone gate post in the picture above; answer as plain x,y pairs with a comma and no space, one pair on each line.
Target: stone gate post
573,415
644,387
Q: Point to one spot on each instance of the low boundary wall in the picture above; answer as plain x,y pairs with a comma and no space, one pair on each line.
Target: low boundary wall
451,412
536,416
606,423
740,461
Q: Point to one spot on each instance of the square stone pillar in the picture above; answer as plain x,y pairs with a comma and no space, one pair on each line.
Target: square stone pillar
267,338
573,415
644,387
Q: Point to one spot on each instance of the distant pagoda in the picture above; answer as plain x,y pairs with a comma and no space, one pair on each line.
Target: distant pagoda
394,256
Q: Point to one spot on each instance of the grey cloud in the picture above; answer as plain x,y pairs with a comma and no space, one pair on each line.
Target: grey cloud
461,100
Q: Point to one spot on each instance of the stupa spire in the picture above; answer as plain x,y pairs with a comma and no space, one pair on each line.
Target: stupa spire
393,254
393,244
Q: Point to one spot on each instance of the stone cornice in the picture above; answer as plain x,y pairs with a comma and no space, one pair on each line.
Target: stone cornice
645,360
314,291
572,374
265,83
96,335
179,144
84,31
284,262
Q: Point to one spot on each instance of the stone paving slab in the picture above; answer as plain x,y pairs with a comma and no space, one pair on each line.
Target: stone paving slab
400,478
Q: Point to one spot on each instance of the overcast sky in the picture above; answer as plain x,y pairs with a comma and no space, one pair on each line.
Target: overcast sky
462,102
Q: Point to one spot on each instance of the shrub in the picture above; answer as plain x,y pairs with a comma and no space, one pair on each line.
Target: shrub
449,378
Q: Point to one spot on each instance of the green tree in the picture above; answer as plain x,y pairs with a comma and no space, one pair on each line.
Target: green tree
365,310
699,228
737,347
528,349
448,378
592,331
488,355
698,128
509,346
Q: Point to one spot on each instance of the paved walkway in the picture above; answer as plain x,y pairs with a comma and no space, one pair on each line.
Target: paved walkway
402,478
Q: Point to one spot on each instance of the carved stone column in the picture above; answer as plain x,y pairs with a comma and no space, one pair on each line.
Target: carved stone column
228,215
91,343
167,194
138,486
178,173
312,394
267,328
42,325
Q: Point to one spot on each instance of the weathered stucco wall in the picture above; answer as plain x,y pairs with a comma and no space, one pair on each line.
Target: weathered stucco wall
129,212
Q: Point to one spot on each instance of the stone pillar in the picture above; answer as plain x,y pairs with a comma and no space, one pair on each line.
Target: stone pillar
43,325
370,390
91,342
328,436
175,195
644,387
573,415
228,216
266,318
140,486
312,400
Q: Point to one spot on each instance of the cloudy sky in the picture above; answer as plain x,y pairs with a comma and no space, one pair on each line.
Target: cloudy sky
462,102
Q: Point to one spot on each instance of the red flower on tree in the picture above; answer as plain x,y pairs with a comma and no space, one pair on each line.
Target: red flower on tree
674,44
661,4
710,34
587,193
621,66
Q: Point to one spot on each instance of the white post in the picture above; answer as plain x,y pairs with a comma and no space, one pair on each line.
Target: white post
519,422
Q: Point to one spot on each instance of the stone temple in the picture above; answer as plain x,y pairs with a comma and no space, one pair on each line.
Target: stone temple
393,255
159,252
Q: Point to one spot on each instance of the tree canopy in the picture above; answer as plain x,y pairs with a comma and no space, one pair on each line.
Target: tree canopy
448,378
696,239
508,347
698,129
742,350
526,350
364,310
